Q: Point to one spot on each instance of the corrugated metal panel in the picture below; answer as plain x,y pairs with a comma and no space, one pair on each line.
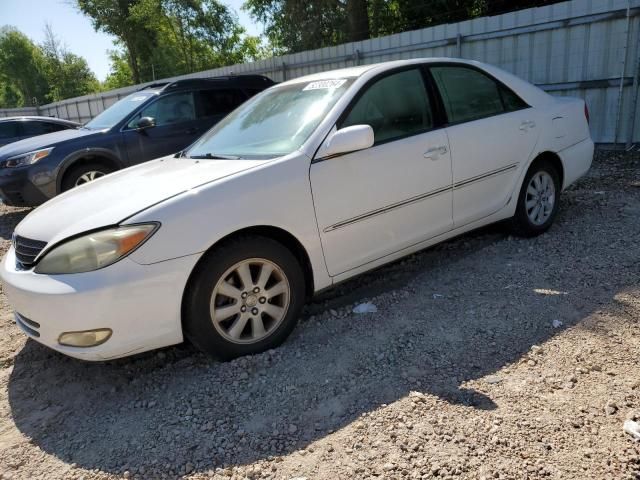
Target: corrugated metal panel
581,48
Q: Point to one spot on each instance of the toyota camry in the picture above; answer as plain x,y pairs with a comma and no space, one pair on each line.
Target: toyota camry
309,183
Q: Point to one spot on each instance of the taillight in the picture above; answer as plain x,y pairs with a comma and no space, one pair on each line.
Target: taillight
586,112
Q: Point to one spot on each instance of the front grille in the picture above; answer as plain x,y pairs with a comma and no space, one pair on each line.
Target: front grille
27,250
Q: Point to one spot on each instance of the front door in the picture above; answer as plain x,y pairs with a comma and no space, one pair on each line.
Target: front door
176,128
377,201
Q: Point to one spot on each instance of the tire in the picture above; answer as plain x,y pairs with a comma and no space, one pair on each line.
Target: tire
74,176
524,223
235,333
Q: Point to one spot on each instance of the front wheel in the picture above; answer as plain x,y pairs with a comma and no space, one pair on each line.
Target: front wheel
538,200
244,298
84,173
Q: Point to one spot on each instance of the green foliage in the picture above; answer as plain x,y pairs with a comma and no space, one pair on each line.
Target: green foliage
67,74
166,38
33,74
295,25
21,70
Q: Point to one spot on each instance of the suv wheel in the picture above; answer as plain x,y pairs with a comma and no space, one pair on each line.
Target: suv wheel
82,174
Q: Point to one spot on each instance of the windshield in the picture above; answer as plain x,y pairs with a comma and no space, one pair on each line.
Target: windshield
273,123
118,111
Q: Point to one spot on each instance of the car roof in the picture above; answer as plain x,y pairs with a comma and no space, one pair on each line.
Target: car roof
23,118
354,72
239,81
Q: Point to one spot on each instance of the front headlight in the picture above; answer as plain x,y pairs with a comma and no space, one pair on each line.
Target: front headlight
95,250
27,158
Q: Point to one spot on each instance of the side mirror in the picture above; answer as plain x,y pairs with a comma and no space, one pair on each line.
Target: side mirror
349,139
145,122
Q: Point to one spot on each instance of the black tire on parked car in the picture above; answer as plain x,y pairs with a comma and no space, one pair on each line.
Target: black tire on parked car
84,173
538,200
243,298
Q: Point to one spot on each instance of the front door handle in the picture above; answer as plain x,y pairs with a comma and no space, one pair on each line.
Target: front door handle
435,152
527,124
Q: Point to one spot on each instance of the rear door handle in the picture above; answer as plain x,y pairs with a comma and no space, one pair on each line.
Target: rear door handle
527,124
435,152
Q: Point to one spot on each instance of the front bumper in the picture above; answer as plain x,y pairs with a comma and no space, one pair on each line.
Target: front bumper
18,189
140,303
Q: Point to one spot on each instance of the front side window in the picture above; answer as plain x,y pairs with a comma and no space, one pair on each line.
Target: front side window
273,123
118,111
395,106
174,108
34,127
8,130
220,101
469,95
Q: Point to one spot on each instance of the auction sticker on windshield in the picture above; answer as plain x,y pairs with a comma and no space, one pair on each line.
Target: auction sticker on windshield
325,84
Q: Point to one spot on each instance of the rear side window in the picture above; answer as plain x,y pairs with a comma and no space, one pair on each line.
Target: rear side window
220,101
395,106
8,130
469,95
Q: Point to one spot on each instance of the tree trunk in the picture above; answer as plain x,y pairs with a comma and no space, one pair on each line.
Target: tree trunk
133,62
358,20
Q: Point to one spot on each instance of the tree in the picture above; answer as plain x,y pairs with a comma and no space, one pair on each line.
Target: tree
67,75
295,25
165,38
21,69
115,17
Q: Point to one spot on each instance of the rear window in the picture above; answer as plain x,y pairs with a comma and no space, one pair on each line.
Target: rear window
8,129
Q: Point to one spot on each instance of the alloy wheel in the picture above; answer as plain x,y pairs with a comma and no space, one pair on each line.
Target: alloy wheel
540,198
89,177
250,301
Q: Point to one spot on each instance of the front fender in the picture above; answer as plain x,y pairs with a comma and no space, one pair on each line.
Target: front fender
276,194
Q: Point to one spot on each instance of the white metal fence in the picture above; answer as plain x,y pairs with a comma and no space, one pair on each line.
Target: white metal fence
585,48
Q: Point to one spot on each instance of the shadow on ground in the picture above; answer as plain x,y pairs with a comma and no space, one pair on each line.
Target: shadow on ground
454,313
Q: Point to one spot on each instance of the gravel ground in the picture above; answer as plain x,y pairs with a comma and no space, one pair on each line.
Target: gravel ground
488,357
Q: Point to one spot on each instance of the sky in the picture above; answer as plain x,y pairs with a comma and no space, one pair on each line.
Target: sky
75,30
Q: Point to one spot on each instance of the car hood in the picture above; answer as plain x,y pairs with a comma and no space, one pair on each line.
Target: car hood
114,198
43,141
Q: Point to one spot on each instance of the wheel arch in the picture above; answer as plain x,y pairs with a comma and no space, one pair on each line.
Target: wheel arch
276,233
551,157
89,155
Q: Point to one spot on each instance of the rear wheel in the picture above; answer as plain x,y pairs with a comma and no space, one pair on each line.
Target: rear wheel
538,200
244,298
84,173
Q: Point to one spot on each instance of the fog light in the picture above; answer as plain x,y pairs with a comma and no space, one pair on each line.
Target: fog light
88,338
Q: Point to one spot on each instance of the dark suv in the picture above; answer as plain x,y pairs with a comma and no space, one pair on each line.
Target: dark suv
155,121
13,129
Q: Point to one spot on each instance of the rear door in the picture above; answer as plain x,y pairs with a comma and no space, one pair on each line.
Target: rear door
491,133
177,126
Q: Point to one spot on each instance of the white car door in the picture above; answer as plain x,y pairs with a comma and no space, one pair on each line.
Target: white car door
491,133
377,201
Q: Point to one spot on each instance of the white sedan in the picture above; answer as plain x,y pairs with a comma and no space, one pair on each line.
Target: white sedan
307,184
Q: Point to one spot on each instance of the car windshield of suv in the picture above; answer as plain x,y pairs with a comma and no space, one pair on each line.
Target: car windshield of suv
273,123
118,111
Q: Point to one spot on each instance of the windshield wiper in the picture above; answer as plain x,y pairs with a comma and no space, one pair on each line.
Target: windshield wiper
215,156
